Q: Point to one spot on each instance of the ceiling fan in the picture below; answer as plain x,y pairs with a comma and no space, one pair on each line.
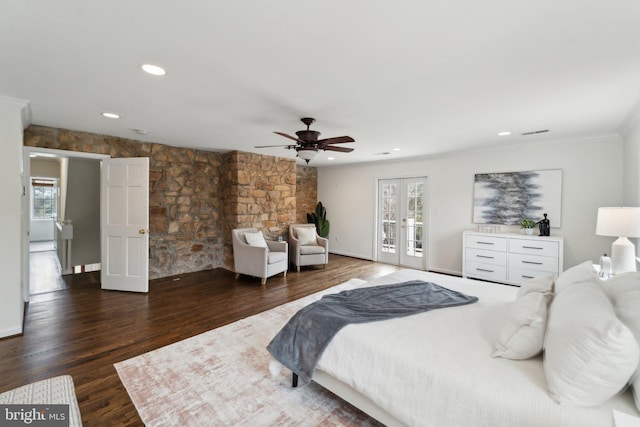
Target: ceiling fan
307,142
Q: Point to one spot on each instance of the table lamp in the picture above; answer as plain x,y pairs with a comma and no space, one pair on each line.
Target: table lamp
621,222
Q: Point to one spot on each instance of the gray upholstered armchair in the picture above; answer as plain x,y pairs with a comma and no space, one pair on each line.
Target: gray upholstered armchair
307,248
254,256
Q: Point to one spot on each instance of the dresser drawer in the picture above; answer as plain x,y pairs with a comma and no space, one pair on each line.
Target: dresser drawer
533,262
533,247
491,243
494,273
519,276
510,258
486,257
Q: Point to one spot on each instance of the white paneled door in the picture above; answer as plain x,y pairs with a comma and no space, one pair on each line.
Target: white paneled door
402,225
125,224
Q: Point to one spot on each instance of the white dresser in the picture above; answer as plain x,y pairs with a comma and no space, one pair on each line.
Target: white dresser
510,258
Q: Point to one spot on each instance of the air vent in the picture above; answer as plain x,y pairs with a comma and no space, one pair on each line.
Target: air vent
535,132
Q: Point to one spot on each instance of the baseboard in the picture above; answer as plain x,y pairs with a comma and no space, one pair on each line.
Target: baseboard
350,255
447,272
10,332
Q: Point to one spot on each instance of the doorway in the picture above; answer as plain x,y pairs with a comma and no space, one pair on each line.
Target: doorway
402,227
41,269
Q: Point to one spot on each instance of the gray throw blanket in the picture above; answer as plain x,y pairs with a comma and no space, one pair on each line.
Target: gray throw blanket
301,342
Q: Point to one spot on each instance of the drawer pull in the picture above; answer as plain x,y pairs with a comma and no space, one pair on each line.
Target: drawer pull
486,271
485,256
485,243
524,276
532,247
531,262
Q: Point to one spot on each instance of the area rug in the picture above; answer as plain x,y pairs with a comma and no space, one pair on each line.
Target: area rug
51,391
222,378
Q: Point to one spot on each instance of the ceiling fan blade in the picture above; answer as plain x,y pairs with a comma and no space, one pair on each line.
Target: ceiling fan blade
269,146
340,149
336,140
290,137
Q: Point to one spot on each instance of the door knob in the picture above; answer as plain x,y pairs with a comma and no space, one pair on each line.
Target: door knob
142,231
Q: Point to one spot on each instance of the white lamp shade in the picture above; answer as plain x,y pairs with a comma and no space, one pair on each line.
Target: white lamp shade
619,222
307,155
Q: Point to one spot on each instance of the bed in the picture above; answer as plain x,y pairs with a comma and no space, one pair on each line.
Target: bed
435,368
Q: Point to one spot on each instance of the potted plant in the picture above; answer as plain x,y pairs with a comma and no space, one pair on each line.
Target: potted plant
528,225
319,218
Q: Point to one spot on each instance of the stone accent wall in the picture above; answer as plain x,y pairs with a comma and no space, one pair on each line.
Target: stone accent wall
306,192
260,192
197,197
185,207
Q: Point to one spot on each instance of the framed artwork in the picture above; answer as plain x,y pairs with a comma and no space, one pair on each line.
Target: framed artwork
507,198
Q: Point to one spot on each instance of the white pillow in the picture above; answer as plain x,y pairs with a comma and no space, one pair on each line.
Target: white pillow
255,238
624,293
543,284
580,273
590,354
523,326
306,236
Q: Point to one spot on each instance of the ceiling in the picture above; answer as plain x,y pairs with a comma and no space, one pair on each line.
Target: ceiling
424,77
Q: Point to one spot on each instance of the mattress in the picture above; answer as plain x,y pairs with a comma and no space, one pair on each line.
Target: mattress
435,369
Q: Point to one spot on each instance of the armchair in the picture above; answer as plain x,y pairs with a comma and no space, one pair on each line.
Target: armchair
254,256
307,247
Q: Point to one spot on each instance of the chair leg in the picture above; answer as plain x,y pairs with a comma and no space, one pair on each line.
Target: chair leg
263,281
237,275
298,269
285,273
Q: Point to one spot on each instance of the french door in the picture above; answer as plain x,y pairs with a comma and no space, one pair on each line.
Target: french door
402,226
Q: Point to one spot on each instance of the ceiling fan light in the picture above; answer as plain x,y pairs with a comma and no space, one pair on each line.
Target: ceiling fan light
307,154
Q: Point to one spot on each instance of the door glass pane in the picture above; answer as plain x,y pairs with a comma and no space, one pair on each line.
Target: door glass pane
414,222
388,214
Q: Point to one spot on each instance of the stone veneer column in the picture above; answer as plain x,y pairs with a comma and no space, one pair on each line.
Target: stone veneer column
258,191
306,192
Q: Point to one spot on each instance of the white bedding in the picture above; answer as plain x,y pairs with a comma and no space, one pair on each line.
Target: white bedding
435,369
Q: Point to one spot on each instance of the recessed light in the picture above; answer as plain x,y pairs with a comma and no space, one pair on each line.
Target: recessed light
111,115
140,131
505,133
153,69
331,158
397,149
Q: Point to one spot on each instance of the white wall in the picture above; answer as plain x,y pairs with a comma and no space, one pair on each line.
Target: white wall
592,177
630,131
631,134
12,120
83,209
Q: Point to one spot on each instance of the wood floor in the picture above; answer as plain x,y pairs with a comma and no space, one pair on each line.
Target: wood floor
44,272
82,331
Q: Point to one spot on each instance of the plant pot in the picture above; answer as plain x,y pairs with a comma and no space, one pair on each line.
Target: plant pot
528,231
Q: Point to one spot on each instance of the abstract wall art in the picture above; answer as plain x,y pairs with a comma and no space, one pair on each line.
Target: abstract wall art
507,198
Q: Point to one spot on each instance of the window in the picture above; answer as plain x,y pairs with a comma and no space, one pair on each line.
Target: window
44,191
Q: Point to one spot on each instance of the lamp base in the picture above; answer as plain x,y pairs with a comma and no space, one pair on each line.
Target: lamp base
623,256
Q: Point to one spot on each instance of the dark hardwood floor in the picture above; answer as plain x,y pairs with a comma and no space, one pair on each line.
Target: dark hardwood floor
82,331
